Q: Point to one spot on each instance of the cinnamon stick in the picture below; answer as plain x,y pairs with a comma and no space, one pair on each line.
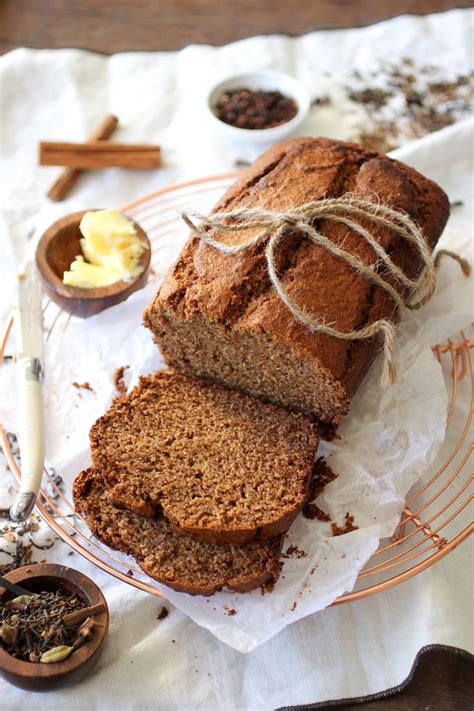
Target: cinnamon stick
74,618
99,154
68,177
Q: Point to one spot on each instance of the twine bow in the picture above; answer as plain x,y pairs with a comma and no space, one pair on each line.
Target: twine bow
348,210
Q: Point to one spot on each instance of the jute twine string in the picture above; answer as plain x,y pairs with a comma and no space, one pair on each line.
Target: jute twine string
348,210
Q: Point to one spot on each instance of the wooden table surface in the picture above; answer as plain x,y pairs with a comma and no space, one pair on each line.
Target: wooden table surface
442,680
117,25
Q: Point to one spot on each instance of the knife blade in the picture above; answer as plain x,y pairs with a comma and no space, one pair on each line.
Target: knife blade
28,326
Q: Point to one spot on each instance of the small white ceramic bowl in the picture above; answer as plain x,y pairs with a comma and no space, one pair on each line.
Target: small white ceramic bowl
264,80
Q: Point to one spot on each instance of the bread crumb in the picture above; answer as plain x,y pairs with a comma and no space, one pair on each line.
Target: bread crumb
349,526
311,511
83,386
294,552
119,379
163,613
321,476
267,587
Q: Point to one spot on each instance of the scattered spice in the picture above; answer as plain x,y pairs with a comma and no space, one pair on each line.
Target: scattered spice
163,614
46,627
373,97
293,607
245,108
17,541
401,104
349,526
378,139
231,612
321,101
84,386
240,163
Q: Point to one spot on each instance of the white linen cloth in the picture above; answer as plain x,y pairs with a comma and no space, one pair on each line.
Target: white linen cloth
340,652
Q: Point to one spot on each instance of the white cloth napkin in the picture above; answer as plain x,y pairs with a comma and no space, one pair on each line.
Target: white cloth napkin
341,652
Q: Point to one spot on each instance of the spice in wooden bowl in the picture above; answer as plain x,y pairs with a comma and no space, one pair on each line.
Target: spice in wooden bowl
46,626
53,635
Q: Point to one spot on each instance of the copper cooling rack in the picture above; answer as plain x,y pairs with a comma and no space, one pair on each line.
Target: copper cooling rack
435,519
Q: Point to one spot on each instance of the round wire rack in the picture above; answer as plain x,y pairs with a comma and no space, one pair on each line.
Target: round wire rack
435,518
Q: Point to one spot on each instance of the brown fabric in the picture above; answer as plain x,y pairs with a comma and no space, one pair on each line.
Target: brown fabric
452,698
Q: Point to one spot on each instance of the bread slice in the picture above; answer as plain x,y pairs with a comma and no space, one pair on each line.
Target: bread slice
178,561
218,464
219,317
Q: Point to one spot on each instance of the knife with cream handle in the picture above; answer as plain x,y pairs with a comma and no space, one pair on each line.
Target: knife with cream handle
28,325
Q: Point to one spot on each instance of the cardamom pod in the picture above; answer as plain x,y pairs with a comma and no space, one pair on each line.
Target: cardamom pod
23,599
57,654
6,633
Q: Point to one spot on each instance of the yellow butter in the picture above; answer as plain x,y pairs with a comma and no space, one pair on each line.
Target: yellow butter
111,251
90,276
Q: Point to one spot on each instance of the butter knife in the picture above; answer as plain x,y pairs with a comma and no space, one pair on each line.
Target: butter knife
28,326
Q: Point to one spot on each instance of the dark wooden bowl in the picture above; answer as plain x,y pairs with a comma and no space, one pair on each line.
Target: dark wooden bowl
45,677
56,251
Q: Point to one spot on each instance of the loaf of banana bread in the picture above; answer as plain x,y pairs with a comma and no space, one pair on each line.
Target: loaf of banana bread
219,317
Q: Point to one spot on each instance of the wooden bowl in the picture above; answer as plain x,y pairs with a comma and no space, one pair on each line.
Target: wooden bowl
45,677
56,251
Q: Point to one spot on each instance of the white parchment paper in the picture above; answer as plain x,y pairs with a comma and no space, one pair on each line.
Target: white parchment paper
388,440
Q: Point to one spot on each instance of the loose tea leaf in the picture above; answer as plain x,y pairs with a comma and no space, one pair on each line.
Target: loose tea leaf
57,654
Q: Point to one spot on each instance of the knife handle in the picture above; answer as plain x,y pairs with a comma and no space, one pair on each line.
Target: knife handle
30,435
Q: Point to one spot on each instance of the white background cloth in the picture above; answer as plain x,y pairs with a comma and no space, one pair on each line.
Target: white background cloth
341,652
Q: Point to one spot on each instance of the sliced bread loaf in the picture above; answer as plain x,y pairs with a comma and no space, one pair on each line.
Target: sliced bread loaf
179,561
218,464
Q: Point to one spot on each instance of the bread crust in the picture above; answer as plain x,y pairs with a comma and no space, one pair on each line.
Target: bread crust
233,297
